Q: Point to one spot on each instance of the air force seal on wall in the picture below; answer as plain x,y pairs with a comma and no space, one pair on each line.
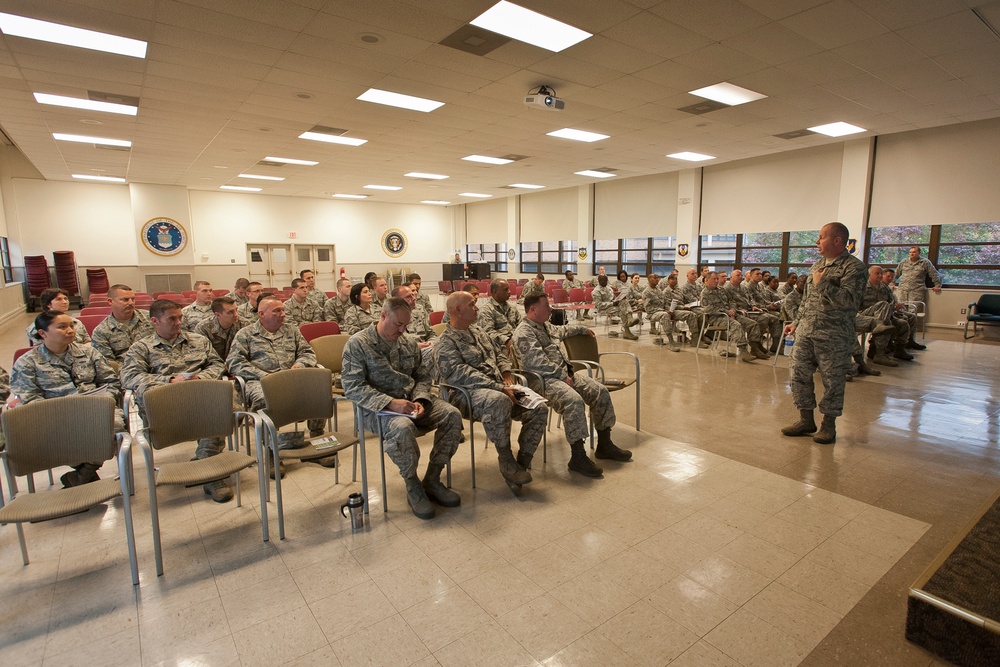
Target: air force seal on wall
394,243
852,245
164,236
682,250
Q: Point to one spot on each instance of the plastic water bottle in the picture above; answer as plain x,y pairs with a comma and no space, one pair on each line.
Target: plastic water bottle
789,342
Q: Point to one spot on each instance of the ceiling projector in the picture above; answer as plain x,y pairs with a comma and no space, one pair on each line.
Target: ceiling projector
544,97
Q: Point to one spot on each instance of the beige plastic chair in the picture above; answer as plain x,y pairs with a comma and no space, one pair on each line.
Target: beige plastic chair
65,431
187,411
583,353
293,396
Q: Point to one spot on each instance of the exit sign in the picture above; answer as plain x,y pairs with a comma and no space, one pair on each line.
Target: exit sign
293,235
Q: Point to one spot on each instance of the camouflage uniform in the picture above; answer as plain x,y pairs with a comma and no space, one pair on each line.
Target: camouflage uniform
317,297
692,291
357,320
790,305
604,301
4,384
299,313
221,339
153,361
766,319
736,300
538,350
531,288
471,360
689,317
256,353
113,338
248,313
911,277
576,283
420,324
498,320
240,300
656,304
82,336
335,310
194,314
376,302
423,300
715,304
374,372
824,332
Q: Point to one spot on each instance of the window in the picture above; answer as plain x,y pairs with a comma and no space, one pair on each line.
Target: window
494,254
548,257
966,255
8,271
636,255
777,252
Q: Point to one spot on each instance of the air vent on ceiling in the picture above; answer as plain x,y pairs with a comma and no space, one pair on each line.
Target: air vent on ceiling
509,187
703,107
269,163
514,157
113,98
476,41
323,129
606,170
794,134
120,149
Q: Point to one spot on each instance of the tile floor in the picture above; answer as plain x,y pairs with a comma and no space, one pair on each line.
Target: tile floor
723,543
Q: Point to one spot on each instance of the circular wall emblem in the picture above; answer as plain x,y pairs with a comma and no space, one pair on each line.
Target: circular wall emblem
164,236
394,243
511,254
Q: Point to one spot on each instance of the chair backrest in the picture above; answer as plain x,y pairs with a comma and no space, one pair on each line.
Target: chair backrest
444,286
436,316
96,310
173,296
185,411
588,295
577,295
20,352
219,292
190,293
988,304
484,286
298,394
439,328
90,322
313,330
582,347
59,431
330,351
559,296
548,288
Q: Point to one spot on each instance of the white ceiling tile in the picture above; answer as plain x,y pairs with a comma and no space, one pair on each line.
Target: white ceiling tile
397,16
896,14
211,22
834,24
656,35
612,54
958,31
779,9
285,15
720,61
881,51
945,92
773,44
716,19
822,68
215,45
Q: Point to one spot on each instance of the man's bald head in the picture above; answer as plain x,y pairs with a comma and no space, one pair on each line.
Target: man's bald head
462,309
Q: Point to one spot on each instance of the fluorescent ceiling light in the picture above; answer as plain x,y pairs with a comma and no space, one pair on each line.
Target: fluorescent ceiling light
399,100
837,129
476,195
525,25
420,174
383,187
526,186
258,177
19,26
80,139
727,93
332,138
89,105
485,159
239,188
288,160
340,195
93,177
577,135
594,174
691,157
439,202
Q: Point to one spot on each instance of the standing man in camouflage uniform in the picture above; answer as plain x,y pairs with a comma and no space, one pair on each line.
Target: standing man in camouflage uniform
536,344
122,327
715,304
656,303
239,293
268,346
316,296
468,358
222,328
170,355
248,310
824,332
337,305
384,371
199,311
912,275
62,367
498,317
299,308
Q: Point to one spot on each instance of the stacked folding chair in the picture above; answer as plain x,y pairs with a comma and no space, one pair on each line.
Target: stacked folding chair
97,281
36,275
66,277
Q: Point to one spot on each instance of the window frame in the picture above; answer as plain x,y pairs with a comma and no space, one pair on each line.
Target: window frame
533,249
931,250
654,244
8,270
784,266
494,254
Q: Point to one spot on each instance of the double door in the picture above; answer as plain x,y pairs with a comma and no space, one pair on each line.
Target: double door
275,265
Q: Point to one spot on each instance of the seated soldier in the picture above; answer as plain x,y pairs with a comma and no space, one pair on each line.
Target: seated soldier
888,276
239,293
222,328
596,280
878,302
572,282
380,293
57,299
763,309
384,371
468,358
248,310
125,325
317,296
420,323
533,287
784,288
58,367
169,355
414,282
267,346
201,310
718,313
299,308
741,308
692,286
472,289
361,314
337,305
498,317
536,344
656,305
604,298
680,312
790,304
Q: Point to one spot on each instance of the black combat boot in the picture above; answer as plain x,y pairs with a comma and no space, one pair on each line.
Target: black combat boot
899,352
863,368
581,463
827,433
804,426
437,491
609,450
510,469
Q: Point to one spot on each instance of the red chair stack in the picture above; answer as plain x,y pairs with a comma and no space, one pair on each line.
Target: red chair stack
97,281
66,277
36,275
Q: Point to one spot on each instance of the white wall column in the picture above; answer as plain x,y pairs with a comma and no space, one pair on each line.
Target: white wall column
855,189
688,217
